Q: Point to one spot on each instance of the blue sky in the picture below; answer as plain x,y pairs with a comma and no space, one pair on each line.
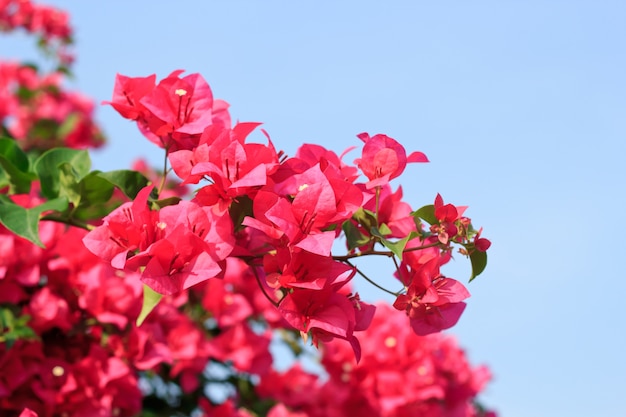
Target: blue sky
520,106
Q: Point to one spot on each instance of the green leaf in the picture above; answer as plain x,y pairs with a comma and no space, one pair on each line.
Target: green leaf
68,183
25,222
384,229
426,213
95,194
68,125
354,237
396,247
94,189
129,182
16,166
365,218
47,167
13,328
6,319
91,195
150,300
479,262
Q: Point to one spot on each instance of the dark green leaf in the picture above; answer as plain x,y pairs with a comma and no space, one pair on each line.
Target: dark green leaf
25,222
95,194
47,168
354,237
479,262
426,213
6,319
16,172
94,189
129,182
13,328
365,218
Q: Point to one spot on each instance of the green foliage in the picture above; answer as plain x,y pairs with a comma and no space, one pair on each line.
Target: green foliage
49,169
396,247
355,238
75,193
127,181
25,222
150,300
479,262
365,218
14,328
426,213
16,171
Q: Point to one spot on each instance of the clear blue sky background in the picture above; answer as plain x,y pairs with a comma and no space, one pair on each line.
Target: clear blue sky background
520,106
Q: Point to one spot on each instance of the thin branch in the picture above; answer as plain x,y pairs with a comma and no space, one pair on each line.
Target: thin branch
371,281
70,222
258,280
389,254
165,171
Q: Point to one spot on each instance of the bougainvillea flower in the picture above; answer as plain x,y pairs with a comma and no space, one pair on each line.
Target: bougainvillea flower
393,212
481,243
127,95
279,410
235,168
110,296
324,314
210,150
192,241
227,306
113,386
345,200
400,374
432,301
301,269
384,159
28,413
248,351
172,114
181,104
48,310
309,155
447,216
175,247
129,228
276,216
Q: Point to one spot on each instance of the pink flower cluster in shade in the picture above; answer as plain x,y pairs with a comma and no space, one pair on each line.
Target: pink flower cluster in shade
40,114
400,374
88,353
50,24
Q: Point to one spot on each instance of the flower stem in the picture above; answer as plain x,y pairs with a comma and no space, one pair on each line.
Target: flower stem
164,175
258,280
389,254
371,281
69,222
